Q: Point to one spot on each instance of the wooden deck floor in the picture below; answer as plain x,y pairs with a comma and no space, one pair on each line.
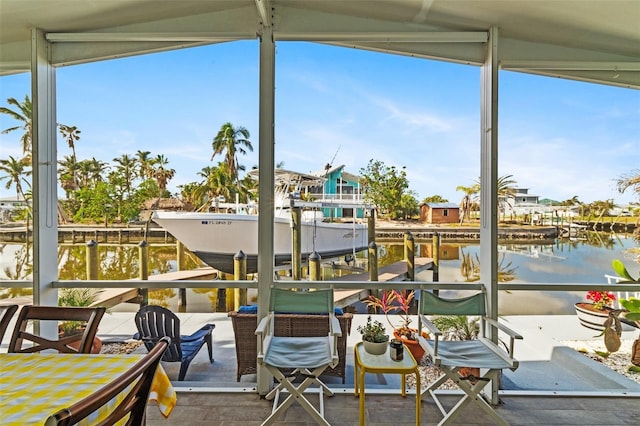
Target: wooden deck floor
247,409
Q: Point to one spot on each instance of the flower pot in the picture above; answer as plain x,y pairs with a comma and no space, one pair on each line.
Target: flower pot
96,345
592,317
470,373
413,345
375,348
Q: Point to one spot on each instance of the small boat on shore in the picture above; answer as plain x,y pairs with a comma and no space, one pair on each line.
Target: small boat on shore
216,237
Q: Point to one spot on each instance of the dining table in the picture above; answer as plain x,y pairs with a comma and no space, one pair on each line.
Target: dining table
36,386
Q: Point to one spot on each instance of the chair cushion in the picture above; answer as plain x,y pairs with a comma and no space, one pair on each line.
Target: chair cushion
467,353
304,352
253,309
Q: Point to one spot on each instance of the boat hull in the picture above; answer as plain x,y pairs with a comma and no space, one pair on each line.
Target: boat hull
216,238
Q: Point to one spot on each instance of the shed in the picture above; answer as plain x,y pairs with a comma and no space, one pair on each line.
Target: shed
439,213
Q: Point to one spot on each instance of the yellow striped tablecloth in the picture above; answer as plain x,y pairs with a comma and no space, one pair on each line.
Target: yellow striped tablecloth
35,386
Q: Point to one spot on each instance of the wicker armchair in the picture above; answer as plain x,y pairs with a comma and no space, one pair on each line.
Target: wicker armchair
244,327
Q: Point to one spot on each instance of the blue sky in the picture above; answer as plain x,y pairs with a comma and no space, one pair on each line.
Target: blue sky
558,138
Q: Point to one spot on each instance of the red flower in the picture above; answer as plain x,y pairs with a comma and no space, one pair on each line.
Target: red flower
601,298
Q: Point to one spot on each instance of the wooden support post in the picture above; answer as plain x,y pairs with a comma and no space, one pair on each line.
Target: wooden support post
92,260
314,267
143,256
296,259
239,274
436,259
405,237
179,255
410,248
371,226
182,292
373,261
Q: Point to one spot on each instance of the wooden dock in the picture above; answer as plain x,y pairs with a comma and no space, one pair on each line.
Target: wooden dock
394,272
114,296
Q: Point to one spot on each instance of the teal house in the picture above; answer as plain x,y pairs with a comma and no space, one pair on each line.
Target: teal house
340,186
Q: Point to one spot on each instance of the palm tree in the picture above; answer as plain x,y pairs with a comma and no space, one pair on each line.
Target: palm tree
72,135
230,141
161,174
68,173
145,164
126,171
22,113
95,170
15,172
629,180
467,199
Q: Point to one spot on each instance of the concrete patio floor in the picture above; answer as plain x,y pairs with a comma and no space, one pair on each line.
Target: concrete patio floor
554,384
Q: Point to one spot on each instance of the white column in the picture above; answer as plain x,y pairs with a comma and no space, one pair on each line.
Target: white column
45,200
489,180
266,171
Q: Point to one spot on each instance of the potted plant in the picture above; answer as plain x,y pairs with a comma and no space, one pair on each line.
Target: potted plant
460,327
631,313
594,313
400,302
82,297
374,337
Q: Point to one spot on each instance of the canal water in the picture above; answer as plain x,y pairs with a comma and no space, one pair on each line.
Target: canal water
584,260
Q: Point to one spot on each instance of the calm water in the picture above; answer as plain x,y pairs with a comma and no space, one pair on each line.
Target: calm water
581,261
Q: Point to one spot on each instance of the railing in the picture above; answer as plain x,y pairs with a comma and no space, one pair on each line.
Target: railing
626,288
614,279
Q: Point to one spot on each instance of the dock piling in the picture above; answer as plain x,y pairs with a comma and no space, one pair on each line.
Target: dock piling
92,260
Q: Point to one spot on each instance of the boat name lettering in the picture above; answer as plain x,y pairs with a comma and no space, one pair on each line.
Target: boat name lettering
216,222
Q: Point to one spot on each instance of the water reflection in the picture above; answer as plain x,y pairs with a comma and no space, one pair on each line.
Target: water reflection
564,261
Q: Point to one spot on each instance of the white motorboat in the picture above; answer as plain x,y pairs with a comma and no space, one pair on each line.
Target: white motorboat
216,237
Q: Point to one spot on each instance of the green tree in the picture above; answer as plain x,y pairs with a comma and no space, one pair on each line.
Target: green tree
15,172
68,174
435,199
160,173
229,142
408,206
573,201
145,164
126,172
470,193
629,180
71,134
22,113
384,186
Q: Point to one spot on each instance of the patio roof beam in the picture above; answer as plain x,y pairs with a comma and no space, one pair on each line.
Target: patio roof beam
264,10
149,37
399,37
570,65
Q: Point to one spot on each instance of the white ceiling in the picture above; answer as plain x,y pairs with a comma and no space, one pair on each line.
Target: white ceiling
591,40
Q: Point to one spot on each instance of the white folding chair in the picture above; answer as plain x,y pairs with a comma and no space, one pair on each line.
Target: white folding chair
307,357
452,355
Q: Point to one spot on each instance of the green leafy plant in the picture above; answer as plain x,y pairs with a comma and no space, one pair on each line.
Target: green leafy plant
630,308
457,327
621,270
373,331
76,297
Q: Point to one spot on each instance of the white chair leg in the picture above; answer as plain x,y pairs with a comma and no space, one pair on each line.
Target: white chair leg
297,393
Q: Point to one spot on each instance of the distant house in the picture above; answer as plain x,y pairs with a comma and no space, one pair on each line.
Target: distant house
9,206
522,195
339,185
439,213
173,204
